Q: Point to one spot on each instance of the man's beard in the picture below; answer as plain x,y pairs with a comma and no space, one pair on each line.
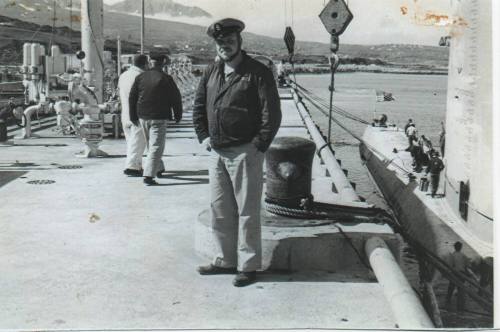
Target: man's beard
232,57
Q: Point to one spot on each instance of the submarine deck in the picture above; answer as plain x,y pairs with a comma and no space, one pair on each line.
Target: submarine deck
98,250
383,141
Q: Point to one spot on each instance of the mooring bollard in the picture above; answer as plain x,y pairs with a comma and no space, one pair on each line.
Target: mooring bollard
289,165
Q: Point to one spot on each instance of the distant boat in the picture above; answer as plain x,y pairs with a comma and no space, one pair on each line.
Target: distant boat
384,96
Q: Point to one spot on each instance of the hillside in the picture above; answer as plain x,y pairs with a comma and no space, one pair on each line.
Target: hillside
14,33
187,38
158,7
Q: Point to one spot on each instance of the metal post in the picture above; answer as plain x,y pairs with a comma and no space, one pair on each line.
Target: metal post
331,88
70,26
93,44
118,55
334,63
143,27
53,23
292,62
335,16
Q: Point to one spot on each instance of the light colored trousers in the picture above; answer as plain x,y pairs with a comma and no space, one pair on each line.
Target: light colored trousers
136,143
155,132
236,180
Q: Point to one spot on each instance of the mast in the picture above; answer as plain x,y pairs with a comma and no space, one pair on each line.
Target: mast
71,26
53,23
118,55
93,44
143,26
469,132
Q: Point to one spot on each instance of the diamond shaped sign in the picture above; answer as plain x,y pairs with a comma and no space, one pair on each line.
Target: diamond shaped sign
336,16
289,40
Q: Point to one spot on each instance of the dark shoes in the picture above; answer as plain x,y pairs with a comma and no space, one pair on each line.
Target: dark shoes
139,173
240,280
212,269
132,172
150,181
244,279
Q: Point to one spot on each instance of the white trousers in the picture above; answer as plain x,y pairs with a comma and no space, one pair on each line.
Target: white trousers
236,181
136,144
155,132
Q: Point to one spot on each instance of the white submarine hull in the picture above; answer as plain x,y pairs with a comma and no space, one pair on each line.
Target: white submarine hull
464,210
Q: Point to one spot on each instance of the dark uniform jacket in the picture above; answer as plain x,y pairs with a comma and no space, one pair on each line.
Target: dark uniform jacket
153,96
6,112
435,166
244,109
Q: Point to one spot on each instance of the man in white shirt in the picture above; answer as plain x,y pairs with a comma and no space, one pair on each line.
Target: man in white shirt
411,133
136,142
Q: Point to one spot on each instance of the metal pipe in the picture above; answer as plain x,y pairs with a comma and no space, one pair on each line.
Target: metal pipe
143,27
119,55
115,120
28,112
93,44
27,54
405,305
344,188
434,304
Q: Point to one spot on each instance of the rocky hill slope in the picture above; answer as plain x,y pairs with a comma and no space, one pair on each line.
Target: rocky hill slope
26,20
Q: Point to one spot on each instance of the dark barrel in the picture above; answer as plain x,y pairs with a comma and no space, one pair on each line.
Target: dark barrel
289,165
424,184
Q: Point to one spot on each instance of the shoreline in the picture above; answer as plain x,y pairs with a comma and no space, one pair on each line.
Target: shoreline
311,69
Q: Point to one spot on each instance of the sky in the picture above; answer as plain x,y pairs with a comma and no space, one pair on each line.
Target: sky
375,21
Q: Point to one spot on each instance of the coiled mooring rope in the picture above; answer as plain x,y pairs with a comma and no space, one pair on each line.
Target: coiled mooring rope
327,212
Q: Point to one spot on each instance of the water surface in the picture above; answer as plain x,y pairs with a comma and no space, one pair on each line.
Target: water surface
420,97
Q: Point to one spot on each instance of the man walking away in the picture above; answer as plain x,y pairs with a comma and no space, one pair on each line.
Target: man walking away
236,114
153,97
459,262
411,133
409,123
435,167
133,134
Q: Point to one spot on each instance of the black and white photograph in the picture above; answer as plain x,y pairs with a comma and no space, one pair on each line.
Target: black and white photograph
248,164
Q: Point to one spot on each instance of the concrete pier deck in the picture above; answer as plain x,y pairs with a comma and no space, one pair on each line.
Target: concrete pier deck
98,250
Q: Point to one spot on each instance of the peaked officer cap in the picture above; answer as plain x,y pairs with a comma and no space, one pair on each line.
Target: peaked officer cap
225,27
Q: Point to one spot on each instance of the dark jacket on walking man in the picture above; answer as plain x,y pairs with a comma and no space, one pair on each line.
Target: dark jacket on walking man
236,115
153,97
435,167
